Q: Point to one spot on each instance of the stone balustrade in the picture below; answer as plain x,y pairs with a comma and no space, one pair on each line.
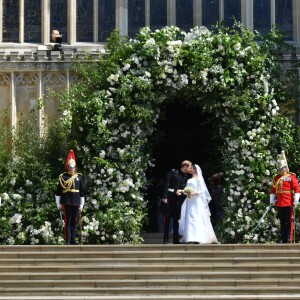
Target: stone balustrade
15,59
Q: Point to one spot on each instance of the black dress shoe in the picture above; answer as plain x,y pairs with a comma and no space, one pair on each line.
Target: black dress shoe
166,241
175,239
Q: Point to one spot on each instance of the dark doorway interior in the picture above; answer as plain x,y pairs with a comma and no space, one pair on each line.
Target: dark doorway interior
185,133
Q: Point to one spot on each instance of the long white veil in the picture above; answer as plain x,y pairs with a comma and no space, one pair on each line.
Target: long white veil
203,187
202,198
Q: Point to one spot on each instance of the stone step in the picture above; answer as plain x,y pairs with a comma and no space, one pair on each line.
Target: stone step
167,251
212,290
4,262
146,275
147,272
180,268
277,248
180,283
155,297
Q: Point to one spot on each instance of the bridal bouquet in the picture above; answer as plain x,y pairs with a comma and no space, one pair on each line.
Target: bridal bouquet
188,190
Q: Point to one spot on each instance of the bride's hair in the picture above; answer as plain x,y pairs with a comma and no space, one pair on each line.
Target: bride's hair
195,169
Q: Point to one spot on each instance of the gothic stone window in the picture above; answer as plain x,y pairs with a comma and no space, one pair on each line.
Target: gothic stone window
210,13
184,14
84,21
32,20
107,19
11,21
262,16
59,17
136,16
232,11
284,17
158,14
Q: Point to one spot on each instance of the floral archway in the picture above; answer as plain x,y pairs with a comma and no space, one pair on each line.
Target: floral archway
110,117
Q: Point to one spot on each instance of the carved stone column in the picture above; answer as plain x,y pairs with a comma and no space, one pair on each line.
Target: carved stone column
95,20
21,21
46,22
221,10
1,21
296,21
247,14
72,4
13,100
197,13
122,16
147,13
273,19
171,12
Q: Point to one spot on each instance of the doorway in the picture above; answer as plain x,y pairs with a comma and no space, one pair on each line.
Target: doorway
184,133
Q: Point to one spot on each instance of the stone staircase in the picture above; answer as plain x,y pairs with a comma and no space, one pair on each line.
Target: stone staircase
150,271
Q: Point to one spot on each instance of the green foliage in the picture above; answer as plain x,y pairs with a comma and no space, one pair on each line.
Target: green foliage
5,141
27,210
110,117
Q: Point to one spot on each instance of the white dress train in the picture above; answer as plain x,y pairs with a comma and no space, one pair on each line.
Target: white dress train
194,223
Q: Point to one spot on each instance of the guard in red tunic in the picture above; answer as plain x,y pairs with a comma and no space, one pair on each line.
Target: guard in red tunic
285,194
69,197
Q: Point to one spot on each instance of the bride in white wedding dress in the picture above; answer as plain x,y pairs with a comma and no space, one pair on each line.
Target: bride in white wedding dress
194,224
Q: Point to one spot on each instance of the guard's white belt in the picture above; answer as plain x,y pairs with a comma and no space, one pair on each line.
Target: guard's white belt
171,190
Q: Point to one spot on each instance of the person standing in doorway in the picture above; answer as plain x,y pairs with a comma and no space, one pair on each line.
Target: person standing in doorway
216,191
69,198
175,180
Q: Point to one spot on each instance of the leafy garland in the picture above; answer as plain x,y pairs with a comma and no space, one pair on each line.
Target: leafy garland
110,117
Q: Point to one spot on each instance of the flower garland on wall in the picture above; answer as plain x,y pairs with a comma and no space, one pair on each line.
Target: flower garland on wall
110,117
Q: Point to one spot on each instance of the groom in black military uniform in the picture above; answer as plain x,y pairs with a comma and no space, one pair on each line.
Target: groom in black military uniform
69,197
175,180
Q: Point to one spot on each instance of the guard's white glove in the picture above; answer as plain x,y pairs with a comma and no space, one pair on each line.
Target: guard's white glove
81,203
296,199
272,199
57,200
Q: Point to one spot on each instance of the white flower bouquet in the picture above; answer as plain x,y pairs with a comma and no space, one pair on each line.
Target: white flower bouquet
188,191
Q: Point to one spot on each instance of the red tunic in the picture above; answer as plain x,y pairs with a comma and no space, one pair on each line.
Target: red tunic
284,186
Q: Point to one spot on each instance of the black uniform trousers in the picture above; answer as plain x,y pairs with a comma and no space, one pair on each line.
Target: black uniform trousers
71,216
284,214
172,210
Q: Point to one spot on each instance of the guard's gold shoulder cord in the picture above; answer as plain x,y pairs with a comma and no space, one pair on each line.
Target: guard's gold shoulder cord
67,184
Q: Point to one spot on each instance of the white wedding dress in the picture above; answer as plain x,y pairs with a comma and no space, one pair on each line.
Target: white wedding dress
194,223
